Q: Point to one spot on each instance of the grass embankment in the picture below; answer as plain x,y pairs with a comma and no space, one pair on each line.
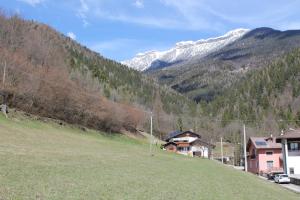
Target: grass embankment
47,161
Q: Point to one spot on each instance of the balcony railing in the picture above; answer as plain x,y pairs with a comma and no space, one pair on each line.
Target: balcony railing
274,169
294,152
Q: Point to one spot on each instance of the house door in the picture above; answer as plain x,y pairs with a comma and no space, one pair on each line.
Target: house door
270,164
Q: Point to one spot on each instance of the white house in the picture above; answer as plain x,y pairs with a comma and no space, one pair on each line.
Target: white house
290,142
187,143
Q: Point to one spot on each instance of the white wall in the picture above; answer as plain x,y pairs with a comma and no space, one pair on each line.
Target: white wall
188,139
294,161
292,158
202,149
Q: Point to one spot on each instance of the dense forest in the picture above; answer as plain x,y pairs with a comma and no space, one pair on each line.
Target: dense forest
267,99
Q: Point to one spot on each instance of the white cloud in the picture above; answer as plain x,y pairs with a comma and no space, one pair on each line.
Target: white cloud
32,2
165,23
254,13
182,16
207,15
290,26
111,45
139,3
116,46
71,35
82,12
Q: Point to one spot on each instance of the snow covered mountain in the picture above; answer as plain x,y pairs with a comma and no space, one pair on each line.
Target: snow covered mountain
183,51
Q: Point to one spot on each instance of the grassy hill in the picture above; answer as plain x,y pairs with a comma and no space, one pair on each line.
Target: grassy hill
42,160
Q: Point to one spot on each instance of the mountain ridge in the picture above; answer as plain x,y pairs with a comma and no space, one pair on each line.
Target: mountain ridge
182,51
205,77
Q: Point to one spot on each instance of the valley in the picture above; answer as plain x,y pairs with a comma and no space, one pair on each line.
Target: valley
204,110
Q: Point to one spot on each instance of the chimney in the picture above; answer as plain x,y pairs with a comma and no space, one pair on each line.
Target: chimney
281,132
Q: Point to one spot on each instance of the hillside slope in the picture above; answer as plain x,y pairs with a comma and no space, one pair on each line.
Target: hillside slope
53,76
49,161
205,78
268,99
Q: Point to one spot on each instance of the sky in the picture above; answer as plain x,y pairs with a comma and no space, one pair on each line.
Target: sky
119,29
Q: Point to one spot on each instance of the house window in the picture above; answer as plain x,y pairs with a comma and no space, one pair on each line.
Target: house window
269,153
183,149
293,146
270,164
292,170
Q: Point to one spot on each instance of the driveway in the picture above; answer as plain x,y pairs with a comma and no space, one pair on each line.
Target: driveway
290,186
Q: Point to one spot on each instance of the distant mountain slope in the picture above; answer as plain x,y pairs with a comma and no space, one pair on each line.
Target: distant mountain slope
268,98
51,75
183,51
204,78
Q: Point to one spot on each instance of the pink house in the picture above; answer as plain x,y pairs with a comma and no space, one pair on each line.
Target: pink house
264,155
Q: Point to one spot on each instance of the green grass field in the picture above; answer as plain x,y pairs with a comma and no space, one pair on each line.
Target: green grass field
47,161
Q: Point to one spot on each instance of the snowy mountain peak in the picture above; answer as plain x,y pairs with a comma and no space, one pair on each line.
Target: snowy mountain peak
184,50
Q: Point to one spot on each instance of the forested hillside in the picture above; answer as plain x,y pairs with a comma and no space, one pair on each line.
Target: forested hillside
267,99
49,74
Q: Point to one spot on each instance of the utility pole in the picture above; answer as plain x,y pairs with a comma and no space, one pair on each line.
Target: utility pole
3,107
4,74
222,150
211,151
245,151
151,134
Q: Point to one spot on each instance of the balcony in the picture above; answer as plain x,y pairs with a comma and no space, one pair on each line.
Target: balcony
274,170
294,152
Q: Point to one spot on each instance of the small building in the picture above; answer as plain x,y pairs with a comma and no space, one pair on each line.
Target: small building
187,143
170,146
290,144
264,155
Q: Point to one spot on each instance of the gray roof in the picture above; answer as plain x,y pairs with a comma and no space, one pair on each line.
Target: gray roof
290,134
264,143
177,133
199,141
